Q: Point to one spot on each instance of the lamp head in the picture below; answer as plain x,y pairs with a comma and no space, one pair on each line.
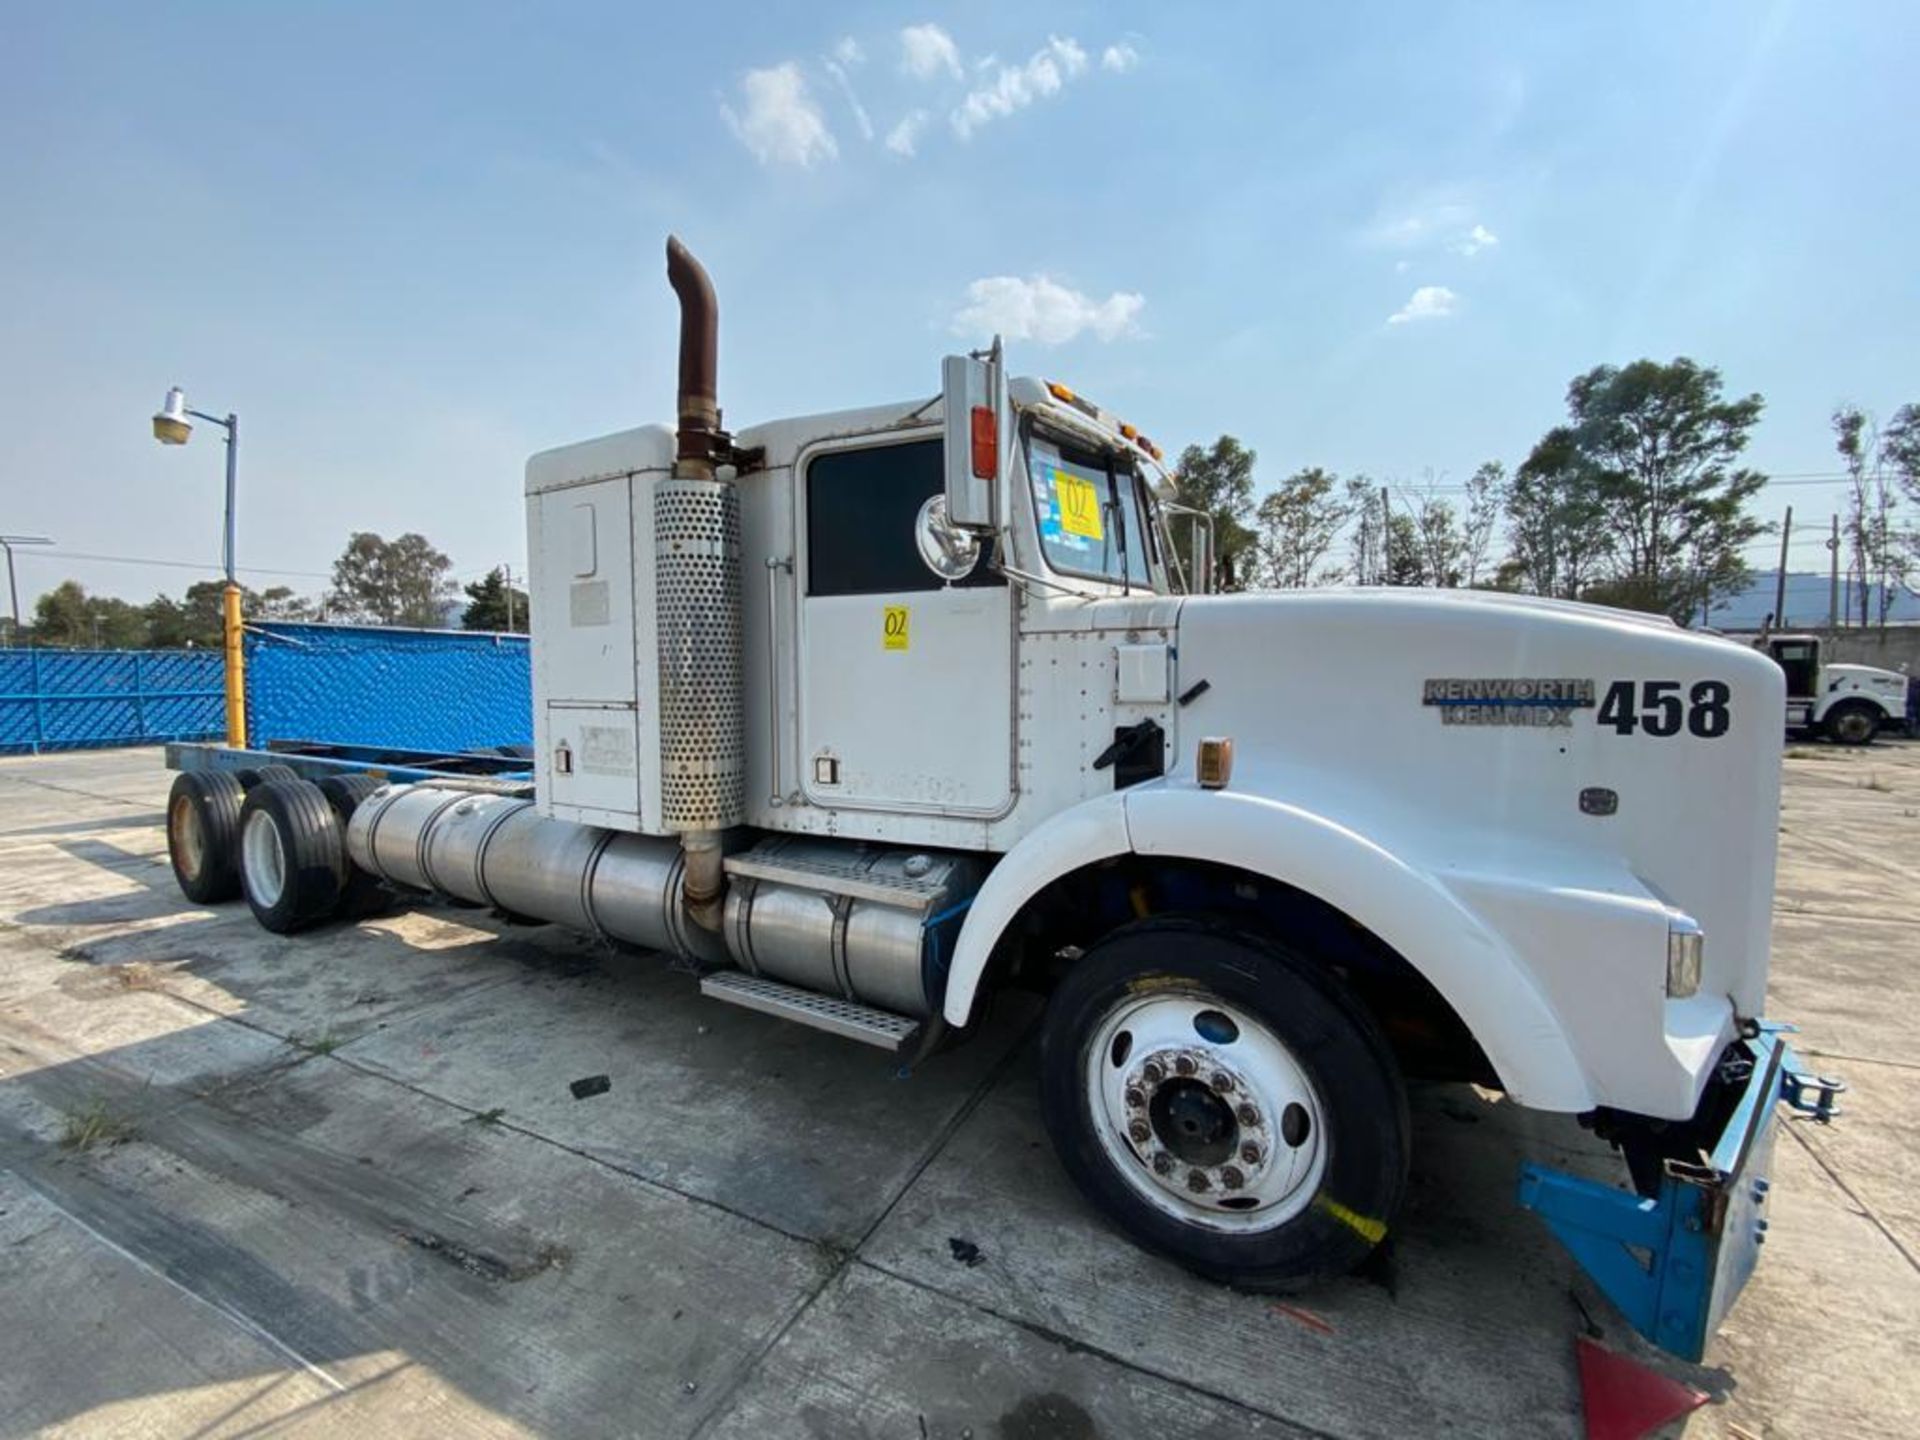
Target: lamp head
171,425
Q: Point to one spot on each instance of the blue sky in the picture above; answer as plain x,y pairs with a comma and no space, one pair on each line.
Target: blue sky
412,244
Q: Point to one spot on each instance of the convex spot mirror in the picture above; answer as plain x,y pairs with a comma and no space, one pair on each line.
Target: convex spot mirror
945,549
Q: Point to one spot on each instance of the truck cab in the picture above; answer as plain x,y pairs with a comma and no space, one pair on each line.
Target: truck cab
1849,704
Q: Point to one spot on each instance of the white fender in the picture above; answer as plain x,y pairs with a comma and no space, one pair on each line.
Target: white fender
1470,965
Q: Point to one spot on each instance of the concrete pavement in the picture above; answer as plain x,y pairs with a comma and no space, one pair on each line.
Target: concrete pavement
339,1183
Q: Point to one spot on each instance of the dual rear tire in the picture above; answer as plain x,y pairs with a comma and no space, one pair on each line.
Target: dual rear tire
273,837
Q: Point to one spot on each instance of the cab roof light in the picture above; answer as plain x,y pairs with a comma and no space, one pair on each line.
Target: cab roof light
1128,432
1079,402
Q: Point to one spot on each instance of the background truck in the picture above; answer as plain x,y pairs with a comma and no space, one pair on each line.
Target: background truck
867,715
1847,703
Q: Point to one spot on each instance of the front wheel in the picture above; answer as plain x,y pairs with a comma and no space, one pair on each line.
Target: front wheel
1226,1102
1853,722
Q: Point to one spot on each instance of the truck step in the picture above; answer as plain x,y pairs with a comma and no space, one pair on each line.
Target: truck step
846,1018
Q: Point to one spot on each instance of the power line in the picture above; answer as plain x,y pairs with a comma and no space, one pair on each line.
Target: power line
175,564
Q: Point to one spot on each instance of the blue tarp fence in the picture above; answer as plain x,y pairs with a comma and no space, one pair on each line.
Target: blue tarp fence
440,690
80,699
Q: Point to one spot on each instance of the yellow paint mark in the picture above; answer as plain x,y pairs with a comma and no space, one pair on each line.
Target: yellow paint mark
895,628
1371,1231
1079,505
1138,895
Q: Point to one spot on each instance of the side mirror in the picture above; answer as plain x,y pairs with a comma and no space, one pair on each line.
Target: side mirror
974,394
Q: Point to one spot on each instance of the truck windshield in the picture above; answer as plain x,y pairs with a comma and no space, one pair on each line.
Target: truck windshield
1091,515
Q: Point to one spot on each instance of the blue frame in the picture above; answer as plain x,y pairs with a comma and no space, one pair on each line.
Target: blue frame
1674,1263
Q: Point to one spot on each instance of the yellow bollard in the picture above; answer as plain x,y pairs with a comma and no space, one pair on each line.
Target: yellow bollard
236,669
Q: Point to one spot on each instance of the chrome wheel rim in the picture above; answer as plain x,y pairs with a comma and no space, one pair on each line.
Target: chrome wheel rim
264,859
1204,1112
1854,726
189,839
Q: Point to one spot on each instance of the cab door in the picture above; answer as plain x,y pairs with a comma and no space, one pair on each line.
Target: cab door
905,680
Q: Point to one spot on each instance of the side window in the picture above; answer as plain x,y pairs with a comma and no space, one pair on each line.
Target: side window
862,506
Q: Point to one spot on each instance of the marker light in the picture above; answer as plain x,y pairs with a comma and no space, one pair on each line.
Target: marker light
1686,944
1213,768
986,443
1061,392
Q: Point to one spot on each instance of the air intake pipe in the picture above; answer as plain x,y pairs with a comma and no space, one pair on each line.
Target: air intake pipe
696,534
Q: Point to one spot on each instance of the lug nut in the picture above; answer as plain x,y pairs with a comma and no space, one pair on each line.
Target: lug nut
1163,1164
1184,1065
1232,1178
1222,1082
1250,1153
1135,1099
1247,1115
1197,1181
1152,1072
1139,1131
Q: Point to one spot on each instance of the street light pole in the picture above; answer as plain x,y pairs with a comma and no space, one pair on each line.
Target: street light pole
172,427
7,542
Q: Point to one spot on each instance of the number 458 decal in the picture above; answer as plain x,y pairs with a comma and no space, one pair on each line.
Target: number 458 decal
1665,707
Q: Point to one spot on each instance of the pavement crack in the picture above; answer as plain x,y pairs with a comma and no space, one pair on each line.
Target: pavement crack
1848,1191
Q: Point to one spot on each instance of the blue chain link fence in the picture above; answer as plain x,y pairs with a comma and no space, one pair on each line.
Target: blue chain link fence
81,699
441,690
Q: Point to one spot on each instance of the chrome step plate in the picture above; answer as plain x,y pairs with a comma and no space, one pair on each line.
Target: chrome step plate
846,1018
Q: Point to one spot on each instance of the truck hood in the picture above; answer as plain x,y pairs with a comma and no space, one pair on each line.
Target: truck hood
1461,730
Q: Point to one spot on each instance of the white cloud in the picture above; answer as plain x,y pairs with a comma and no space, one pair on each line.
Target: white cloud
860,117
1400,267
1475,240
849,52
1429,302
1419,226
1119,58
926,50
902,138
1041,309
1014,87
781,125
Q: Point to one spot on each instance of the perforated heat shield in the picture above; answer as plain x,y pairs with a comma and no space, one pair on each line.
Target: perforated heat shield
696,537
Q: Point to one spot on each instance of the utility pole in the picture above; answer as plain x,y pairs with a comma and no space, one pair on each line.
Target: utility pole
1780,580
1833,583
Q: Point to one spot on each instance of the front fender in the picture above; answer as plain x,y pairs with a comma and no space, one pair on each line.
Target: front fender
1472,967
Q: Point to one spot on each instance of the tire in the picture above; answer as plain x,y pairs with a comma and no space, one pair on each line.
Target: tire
363,894
260,774
1852,722
203,834
1301,1158
293,855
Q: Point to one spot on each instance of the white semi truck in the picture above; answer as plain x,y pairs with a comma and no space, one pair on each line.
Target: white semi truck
870,714
1849,704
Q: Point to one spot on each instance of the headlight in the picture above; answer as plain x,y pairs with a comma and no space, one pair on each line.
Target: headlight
1685,944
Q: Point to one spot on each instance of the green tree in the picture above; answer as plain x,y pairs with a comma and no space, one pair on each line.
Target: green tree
1486,497
1297,525
68,616
1654,447
494,604
1219,480
1557,538
1406,560
402,581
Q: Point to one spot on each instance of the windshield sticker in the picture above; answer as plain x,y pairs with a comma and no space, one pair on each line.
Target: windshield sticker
1079,505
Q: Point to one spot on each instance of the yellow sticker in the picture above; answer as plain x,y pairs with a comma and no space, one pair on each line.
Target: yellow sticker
1079,505
894,632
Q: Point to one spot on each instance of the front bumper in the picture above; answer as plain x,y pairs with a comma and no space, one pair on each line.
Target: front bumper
1675,1262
